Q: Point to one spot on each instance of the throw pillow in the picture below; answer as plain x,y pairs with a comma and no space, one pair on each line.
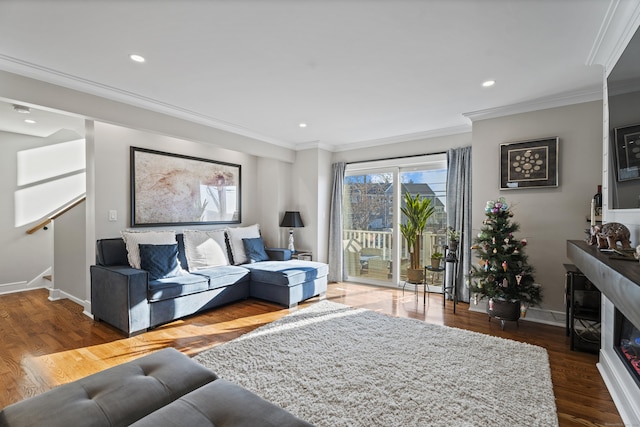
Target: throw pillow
254,248
236,234
160,261
205,248
133,238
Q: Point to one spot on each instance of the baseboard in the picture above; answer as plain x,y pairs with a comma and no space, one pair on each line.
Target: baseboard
57,294
534,314
39,282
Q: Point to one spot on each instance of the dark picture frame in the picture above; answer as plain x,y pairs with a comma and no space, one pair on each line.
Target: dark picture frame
173,189
529,164
627,143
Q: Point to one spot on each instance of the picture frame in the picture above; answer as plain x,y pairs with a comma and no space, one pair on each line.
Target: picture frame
627,146
172,189
529,164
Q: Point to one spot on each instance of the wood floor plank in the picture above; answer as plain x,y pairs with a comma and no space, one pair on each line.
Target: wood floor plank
45,343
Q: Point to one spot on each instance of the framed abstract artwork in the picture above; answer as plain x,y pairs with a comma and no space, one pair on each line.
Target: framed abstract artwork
529,164
627,143
173,189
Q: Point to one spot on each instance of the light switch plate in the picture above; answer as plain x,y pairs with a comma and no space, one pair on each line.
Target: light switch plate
113,215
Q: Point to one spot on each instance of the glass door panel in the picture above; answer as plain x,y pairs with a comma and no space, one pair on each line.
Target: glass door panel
428,183
368,226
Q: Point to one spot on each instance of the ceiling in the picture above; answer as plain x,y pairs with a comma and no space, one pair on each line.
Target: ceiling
356,72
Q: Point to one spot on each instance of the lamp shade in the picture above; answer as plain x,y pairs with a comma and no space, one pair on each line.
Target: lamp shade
291,220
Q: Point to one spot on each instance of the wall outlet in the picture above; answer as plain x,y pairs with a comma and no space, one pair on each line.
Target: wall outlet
113,216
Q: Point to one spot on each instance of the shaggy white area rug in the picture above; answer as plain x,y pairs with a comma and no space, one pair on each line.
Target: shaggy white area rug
332,365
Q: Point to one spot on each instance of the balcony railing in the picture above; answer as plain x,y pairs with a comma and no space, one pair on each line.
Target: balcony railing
377,245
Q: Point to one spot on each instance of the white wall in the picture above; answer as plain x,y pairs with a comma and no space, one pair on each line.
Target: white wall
25,258
548,216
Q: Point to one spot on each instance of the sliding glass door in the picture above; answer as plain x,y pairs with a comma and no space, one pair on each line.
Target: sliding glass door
374,250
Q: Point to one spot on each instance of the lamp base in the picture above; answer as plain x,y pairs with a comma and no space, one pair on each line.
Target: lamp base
291,247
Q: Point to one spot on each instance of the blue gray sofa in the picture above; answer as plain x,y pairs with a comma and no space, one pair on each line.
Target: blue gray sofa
130,300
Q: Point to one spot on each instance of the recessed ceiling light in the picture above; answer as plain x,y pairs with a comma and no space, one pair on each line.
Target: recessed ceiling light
30,121
21,109
488,83
303,125
136,58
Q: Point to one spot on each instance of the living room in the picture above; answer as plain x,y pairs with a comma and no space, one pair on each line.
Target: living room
276,178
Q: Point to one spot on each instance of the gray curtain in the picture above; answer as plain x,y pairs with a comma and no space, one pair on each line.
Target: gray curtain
459,211
337,272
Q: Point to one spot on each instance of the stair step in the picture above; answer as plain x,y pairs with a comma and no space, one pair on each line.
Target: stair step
47,277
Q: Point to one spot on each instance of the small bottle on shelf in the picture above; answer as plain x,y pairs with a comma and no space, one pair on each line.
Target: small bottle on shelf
598,198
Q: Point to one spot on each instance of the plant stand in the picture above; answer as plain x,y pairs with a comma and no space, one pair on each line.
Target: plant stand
504,311
450,275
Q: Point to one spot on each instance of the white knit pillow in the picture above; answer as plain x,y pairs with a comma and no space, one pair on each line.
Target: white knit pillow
236,235
133,238
205,248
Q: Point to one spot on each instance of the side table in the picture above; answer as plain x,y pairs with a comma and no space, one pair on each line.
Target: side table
434,272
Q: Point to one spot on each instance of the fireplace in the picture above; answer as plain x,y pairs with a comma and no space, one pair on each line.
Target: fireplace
619,283
626,344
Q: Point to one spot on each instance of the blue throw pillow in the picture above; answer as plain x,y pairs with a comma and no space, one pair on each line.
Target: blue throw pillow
255,249
160,261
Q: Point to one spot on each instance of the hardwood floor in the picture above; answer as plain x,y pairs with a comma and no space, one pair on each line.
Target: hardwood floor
45,343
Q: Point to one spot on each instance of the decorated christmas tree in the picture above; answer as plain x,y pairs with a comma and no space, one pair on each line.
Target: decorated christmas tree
502,273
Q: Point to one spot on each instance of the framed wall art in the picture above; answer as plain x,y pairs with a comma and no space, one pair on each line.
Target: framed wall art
172,189
627,142
529,164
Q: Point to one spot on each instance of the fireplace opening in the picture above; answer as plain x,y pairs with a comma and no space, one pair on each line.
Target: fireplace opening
627,344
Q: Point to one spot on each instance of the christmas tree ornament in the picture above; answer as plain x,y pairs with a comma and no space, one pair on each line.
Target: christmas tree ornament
475,299
523,309
474,247
518,278
491,303
524,242
493,240
506,240
516,251
495,250
505,283
504,266
486,266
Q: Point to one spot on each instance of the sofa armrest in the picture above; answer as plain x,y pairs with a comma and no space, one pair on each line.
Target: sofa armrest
119,297
278,254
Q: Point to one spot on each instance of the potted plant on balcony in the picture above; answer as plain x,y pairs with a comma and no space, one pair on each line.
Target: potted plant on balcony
453,238
436,257
502,274
416,211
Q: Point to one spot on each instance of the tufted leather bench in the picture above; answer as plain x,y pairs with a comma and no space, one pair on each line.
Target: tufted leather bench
166,387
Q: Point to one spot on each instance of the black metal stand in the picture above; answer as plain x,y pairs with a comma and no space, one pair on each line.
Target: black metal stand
451,268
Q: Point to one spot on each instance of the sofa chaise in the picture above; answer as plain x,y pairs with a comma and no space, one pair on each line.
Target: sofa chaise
134,297
165,388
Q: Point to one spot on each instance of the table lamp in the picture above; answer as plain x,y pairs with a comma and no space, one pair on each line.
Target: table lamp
291,220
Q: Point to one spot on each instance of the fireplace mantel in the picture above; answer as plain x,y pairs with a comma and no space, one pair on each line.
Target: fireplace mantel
618,280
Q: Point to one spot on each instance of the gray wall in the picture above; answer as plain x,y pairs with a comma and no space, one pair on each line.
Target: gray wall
547,216
69,232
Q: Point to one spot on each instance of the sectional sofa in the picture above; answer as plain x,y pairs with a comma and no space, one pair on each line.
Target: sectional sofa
144,279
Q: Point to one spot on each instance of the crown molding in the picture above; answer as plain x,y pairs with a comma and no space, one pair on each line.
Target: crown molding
618,27
453,130
49,75
560,100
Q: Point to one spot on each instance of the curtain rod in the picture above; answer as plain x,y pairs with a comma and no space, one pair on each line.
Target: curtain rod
396,158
